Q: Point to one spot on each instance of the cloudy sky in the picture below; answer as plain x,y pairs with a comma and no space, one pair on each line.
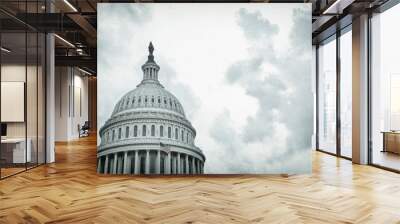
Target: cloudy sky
241,71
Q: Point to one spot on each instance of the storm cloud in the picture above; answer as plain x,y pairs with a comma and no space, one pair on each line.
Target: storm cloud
282,124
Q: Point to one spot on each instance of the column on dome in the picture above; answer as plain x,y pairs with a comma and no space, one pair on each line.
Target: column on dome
178,158
125,162
120,168
147,171
137,165
114,168
129,163
174,168
106,165
200,167
187,163
196,164
168,168
172,164
193,166
98,165
158,161
175,164
200,171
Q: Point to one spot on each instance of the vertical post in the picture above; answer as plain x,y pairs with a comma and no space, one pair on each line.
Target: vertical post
126,162
173,164
168,169
50,92
338,81
317,97
129,163
198,166
158,161
360,67
193,165
106,165
369,89
137,165
178,157
187,163
147,171
114,168
98,164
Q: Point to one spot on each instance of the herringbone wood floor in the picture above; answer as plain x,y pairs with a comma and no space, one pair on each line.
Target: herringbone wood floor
70,191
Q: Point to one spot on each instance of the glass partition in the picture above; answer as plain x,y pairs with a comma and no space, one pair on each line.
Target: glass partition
346,93
385,89
22,77
41,97
327,95
31,97
13,109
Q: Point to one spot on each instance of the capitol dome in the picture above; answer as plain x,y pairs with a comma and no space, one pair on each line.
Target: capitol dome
148,132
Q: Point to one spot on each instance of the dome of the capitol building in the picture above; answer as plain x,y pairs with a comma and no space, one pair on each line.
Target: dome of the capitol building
148,132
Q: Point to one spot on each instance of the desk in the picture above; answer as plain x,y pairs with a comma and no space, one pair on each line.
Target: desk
13,150
391,141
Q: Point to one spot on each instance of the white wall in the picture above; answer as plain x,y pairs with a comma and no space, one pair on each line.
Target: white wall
71,103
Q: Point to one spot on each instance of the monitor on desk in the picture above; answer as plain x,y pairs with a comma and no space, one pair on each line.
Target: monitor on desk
3,130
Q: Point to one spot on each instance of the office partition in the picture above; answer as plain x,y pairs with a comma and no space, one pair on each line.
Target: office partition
22,77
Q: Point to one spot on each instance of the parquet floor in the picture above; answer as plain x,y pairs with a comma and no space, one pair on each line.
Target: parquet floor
70,191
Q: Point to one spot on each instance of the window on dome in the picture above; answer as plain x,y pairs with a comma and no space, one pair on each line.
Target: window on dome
152,99
170,103
144,130
153,130
127,132
145,99
176,133
108,136
182,136
133,100
113,135
135,131
127,101
119,133
175,104
165,101
169,132
161,131
187,137
140,99
159,100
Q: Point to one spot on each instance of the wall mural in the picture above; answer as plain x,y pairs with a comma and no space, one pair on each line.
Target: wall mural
189,89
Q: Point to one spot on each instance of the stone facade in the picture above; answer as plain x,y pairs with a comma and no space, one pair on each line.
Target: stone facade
148,132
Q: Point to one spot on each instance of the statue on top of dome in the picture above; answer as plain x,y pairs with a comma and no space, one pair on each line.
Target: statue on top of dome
150,58
151,48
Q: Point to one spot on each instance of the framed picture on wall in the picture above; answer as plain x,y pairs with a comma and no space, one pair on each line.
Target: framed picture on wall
204,88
